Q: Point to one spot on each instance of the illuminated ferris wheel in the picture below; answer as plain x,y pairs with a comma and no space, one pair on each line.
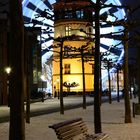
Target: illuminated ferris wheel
33,8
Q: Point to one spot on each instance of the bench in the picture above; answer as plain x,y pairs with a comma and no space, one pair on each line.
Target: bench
75,129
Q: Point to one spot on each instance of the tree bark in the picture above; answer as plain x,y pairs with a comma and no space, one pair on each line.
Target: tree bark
83,75
109,82
61,78
118,90
17,122
126,81
97,112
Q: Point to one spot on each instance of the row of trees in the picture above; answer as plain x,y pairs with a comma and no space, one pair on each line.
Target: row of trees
120,35
17,123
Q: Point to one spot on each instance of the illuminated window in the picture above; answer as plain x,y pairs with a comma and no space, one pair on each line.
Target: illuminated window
68,30
67,68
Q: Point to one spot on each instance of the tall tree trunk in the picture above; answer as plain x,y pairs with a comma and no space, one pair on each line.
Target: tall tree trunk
109,82
17,122
97,112
61,78
138,78
118,90
126,81
83,75
100,80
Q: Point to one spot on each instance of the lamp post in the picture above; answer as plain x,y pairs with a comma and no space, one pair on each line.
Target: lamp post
8,71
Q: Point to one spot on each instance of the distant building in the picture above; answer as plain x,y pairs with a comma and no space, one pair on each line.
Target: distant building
3,62
33,66
32,62
73,31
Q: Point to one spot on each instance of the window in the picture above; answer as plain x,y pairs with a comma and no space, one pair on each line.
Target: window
68,30
66,50
80,14
67,68
89,30
68,13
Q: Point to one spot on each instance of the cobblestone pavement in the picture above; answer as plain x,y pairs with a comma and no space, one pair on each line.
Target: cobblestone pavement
112,123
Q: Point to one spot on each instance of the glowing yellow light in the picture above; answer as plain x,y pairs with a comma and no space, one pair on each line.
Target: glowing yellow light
8,70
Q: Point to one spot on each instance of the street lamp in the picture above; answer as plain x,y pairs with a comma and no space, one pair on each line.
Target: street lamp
8,71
